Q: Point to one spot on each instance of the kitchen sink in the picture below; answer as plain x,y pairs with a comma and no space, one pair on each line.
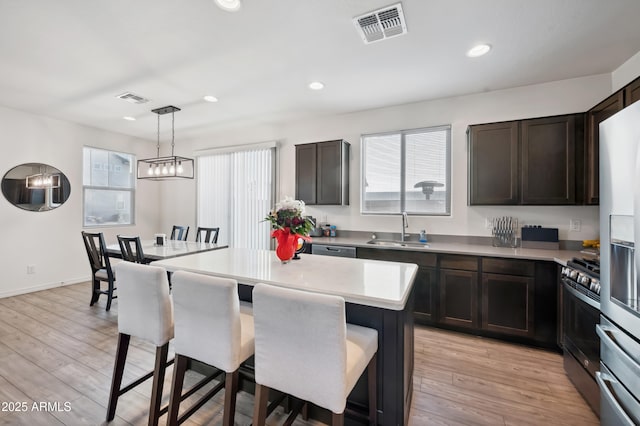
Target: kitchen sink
395,243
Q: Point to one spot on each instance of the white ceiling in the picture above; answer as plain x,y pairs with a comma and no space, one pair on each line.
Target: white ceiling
69,59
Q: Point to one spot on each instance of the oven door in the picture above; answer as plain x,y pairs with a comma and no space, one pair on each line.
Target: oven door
580,315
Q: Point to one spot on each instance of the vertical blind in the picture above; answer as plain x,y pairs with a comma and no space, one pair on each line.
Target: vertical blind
235,192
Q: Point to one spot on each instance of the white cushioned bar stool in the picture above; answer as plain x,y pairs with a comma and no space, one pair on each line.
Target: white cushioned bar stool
305,348
213,327
145,311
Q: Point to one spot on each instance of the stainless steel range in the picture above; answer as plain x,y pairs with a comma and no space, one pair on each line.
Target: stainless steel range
580,315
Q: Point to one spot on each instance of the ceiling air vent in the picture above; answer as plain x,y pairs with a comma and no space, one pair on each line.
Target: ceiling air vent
133,98
381,24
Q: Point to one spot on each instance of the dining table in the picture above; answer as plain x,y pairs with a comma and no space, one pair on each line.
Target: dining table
378,294
173,248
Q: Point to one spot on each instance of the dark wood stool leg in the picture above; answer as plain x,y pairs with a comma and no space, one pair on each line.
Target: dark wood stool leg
95,292
118,370
158,382
260,405
372,376
337,419
230,391
305,411
110,295
179,368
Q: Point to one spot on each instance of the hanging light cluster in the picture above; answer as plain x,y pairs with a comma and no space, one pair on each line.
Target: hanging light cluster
161,168
43,180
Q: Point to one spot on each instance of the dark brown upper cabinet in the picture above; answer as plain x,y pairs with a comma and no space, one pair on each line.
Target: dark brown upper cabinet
632,92
595,116
525,162
493,164
322,173
548,148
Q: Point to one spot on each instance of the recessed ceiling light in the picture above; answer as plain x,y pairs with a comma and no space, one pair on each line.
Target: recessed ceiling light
478,50
210,98
128,118
316,85
229,5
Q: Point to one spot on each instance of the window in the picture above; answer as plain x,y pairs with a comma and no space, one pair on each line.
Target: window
408,171
235,193
108,183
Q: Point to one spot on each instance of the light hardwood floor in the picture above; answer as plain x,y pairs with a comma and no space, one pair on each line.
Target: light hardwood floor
54,348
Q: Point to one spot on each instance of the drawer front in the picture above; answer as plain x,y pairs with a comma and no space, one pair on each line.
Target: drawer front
466,263
523,268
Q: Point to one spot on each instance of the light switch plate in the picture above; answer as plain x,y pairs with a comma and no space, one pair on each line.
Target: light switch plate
575,225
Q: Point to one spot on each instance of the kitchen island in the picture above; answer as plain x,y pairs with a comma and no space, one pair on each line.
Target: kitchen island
378,294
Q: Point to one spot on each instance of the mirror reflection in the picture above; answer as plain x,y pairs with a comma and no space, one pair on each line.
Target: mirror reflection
35,187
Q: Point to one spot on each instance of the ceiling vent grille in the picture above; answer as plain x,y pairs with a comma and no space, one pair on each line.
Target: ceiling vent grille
381,24
132,98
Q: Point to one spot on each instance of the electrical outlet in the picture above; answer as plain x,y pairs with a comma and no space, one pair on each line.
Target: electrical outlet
31,269
575,225
487,223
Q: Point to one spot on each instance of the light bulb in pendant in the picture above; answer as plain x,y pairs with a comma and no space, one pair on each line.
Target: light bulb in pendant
157,170
150,171
38,182
164,169
180,169
172,168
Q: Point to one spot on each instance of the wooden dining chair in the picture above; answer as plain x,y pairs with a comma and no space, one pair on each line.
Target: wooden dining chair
131,249
179,233
210,235
100,267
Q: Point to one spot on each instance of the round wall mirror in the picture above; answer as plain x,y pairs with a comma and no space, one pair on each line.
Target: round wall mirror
36,187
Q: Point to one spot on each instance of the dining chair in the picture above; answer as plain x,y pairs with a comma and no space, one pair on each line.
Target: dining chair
131,249
213,327
100,267
145,311
179,233
210,235
305,348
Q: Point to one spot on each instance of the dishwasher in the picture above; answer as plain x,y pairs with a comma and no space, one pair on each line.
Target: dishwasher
330,250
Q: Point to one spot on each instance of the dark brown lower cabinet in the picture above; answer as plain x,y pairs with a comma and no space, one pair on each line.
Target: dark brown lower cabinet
514,299
425,299
458,298
508,304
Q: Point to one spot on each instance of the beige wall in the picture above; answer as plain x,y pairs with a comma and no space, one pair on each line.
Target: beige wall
568,96
51,240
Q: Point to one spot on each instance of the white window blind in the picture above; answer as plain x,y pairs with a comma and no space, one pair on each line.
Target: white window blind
235,192
407,171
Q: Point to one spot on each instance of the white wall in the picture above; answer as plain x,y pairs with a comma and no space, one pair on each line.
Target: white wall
562,97
625,73
51,240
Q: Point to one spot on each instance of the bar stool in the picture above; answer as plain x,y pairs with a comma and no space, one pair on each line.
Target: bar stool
145,311
214,327
305,348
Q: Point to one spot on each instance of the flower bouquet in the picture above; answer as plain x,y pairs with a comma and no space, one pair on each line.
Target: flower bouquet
289,224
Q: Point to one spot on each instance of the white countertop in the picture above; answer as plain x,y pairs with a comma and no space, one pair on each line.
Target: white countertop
558,256
375,283
173,248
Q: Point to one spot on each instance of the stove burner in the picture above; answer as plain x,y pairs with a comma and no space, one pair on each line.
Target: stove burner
588,266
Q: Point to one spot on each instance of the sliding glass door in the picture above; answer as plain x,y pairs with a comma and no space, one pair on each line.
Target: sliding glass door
235,192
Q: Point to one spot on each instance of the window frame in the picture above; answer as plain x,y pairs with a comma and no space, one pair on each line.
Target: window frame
402,190
131,190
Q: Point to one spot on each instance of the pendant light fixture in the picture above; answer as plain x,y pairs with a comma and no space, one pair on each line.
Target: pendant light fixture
163,168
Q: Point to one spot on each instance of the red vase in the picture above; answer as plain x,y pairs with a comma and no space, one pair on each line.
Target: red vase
287,243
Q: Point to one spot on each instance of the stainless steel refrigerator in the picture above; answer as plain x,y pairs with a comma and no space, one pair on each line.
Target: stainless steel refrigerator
619,328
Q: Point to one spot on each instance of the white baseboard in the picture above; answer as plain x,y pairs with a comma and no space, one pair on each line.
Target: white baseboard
43,287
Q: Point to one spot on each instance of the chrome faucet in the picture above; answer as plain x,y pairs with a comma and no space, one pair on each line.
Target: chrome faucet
405,224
